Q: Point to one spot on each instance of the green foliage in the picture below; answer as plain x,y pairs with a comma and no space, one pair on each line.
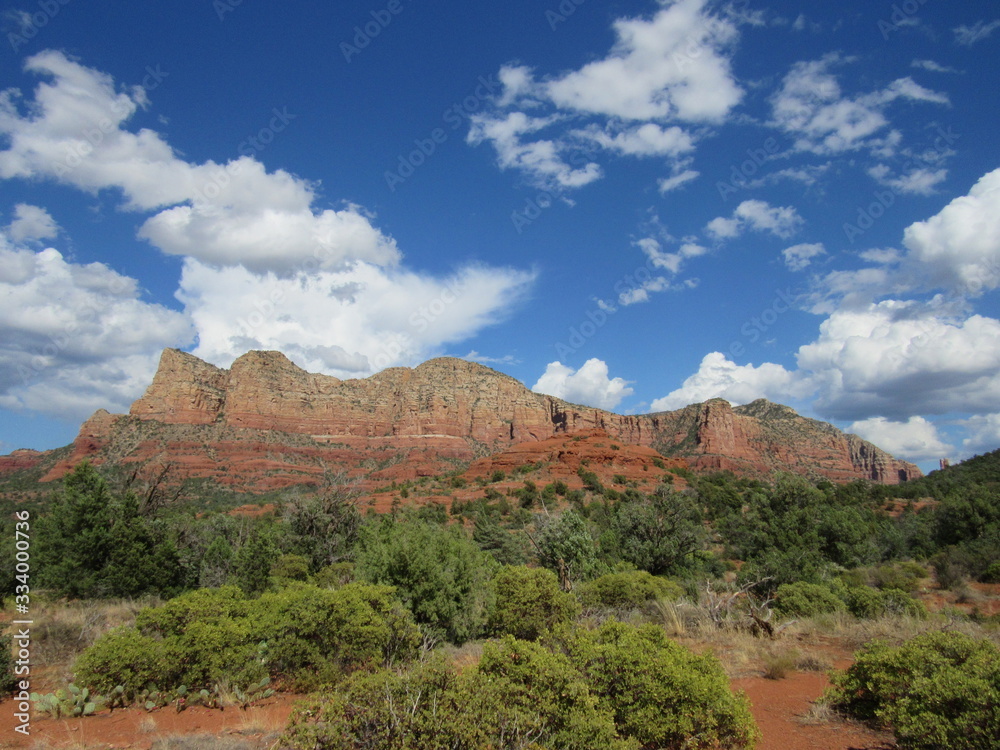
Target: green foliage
437,571
315,635
660,534
528,602
8,681
92,543
867,603
505,547
591,481
252,562
567,548
940,689
628,590
660,693
73,702
804,599
291,568
124,656
308,635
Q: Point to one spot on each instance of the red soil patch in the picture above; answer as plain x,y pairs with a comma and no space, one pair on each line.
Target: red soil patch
779,705
256,727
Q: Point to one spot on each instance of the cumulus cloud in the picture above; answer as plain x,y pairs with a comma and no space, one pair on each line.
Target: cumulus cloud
664,74
800,257
719,377
983,434
932,66
590,385
760,216
959,248
76,337
376,317
900,358
75,132
31,223
916,439
812,108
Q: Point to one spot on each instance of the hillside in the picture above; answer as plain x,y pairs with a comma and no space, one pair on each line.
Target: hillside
265,424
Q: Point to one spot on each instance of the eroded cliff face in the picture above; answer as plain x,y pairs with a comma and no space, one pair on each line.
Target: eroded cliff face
265,423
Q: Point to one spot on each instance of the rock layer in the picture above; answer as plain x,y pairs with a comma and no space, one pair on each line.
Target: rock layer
265,423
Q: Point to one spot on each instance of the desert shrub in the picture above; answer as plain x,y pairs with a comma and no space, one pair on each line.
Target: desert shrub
304,633
124,656
521,696
867,603
627,590
992,573
333,576
291,568
528,602
437,571
321,633
804,599
660,693
566,546
8,682
937,690
491,537
904,576
660,534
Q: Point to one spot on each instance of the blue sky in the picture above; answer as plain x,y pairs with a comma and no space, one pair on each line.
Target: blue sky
635,205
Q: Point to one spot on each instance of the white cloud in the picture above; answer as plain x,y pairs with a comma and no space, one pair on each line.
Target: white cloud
902,358
718,377
781,221
959,248
916,439
31,223
932,66
223,214
918,181
543,160
800,257
670,67
590,385
668,184
968,35
74,338
358,320
984,434
663,74
812,108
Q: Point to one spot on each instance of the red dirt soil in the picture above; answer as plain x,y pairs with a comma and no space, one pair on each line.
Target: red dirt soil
777,706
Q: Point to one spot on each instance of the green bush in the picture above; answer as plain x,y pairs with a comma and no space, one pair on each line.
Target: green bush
520,696
528,602
629,590
315,634
124,656
660,693
903,576
867,603
806,600
303,633
437,571
938,690
8,681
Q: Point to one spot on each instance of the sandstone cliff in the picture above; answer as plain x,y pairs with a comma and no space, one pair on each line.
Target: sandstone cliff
265,423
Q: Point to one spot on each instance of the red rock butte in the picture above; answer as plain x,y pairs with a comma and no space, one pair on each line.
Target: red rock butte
266,424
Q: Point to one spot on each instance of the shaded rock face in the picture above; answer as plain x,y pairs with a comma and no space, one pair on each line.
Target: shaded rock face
265,423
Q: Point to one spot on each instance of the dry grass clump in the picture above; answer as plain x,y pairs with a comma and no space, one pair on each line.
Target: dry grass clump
62,629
